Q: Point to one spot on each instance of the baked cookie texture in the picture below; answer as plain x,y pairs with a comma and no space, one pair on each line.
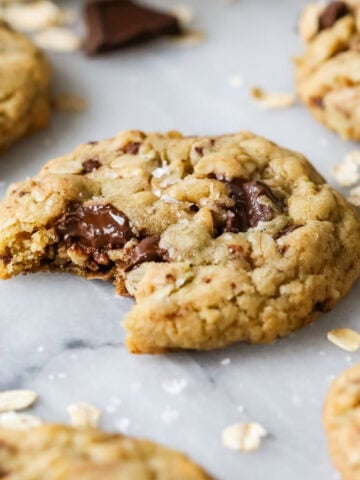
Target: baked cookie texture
328,73
56,452
342,423
218,239
24,87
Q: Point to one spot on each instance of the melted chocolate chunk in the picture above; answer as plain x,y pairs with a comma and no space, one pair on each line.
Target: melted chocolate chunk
99,227
90,165
286,230
247,211
116,23
132,148
332,13
147,250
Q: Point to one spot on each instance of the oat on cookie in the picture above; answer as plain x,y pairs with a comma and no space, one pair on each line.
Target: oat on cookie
342,423
24,87
328,73
218,239
56,452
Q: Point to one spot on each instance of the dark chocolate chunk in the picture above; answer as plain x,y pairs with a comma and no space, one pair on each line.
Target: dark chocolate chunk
147,250
99,227
116,23
332,13
90,165
247,211
287,230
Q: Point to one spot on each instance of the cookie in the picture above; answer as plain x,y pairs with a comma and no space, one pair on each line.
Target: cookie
328,73
24,87
342,423
56,452
218,239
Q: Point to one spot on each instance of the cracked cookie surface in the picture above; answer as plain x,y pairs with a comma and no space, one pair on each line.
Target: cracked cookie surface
24,87
342,423
328,73
218,239
56,452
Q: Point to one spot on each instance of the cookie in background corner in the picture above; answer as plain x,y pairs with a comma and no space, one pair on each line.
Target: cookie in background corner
328,73
24,87
341,420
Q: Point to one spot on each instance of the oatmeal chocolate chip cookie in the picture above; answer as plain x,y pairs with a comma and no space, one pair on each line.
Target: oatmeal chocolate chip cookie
342,423
24,87
328,73
56,452
218,239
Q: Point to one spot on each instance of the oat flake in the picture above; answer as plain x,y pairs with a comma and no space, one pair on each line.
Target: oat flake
19,421
16,400
345,338
244,437
83,415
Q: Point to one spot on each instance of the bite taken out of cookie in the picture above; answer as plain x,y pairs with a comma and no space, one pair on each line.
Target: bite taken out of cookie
328,72
218,239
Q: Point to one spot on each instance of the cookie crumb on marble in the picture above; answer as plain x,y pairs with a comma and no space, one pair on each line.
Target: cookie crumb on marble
345,338
244,437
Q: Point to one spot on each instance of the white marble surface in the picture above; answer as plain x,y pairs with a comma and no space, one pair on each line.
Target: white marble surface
60,335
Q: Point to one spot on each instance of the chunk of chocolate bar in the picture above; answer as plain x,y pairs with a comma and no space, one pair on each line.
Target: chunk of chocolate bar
113,24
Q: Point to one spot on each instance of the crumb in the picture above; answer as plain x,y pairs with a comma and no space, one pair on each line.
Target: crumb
345,338
244,437
272,100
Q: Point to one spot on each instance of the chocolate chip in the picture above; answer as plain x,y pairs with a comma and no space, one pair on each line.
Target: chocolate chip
99,227
116,23
90,165
332,13
286,231
132,148
147,250
247,211
199,151
322,307
317,102
194,208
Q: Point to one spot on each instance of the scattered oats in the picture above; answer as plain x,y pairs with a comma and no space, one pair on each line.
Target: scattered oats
192,37
123,424
354,196
272,100
40,349
245,437
16,400
236,81
348,172
183,13
345,338
18,421
225,361
58,39
309,20
33,16
174,386
66,102
83,415
169,415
